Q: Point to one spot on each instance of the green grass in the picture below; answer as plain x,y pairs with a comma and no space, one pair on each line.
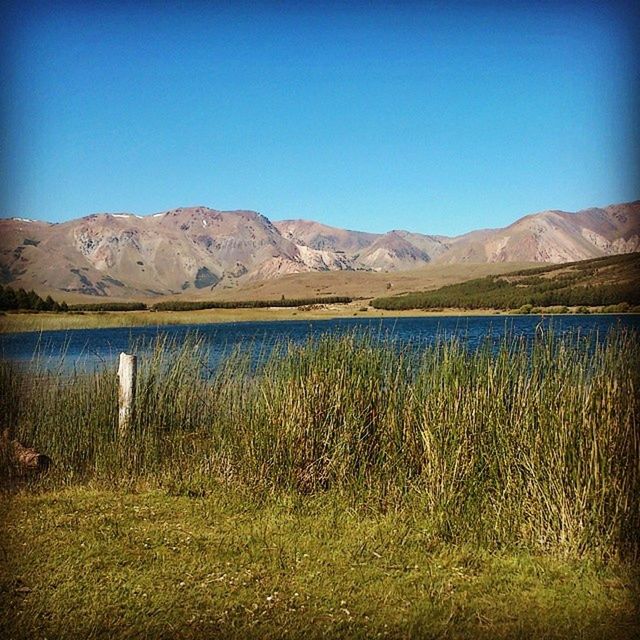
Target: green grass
91,563
443,493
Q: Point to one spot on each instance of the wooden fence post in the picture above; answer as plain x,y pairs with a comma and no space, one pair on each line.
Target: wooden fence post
126,392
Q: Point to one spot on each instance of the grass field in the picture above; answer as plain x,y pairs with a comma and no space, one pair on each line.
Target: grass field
16,322
88,563
362,284
344,488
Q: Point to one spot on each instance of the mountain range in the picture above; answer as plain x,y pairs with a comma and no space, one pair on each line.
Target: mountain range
192,250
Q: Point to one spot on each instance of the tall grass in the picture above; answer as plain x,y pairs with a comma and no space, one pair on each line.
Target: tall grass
531,443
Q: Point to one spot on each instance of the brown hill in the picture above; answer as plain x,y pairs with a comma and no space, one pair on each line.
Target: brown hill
196,250
124,255
553,236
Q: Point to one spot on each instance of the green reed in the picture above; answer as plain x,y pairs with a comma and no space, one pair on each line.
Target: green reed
533,444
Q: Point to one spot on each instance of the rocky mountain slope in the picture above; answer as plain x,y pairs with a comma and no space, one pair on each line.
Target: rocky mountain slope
193,249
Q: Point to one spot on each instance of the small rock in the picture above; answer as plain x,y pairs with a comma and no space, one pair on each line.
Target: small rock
24,590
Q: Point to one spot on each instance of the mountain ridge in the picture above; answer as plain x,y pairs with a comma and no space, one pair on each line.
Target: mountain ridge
190,249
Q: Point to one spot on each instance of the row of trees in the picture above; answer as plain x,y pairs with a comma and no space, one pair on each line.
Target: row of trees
19,299
185,305
110,306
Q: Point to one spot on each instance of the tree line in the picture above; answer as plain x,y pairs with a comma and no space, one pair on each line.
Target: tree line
21,300
186,305
109,306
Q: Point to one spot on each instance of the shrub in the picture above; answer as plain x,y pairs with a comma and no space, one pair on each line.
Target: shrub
524,309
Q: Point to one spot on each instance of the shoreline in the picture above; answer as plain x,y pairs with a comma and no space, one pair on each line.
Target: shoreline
47,321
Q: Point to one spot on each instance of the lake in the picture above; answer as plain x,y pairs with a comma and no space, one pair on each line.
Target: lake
88,348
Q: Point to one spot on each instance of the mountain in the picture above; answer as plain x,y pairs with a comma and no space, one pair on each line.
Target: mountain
548,236
325,238
373,250
193,250
168,253
554,236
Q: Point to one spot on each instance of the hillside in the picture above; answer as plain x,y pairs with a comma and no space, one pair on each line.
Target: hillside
598,282
358,284
553,236
195,251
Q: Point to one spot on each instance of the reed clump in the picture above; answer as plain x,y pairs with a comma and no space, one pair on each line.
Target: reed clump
527,442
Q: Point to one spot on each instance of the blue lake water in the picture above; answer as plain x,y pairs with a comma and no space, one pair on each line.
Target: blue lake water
88,348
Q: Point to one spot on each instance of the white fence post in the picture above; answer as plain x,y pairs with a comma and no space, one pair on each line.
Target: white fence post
126,392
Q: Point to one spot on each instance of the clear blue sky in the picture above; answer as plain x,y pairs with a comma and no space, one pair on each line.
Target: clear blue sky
434,117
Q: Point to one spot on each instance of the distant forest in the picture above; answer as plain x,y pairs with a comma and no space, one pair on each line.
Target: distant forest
180,305
602,282
21,300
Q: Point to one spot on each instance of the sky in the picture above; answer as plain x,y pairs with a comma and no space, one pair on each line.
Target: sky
436,117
